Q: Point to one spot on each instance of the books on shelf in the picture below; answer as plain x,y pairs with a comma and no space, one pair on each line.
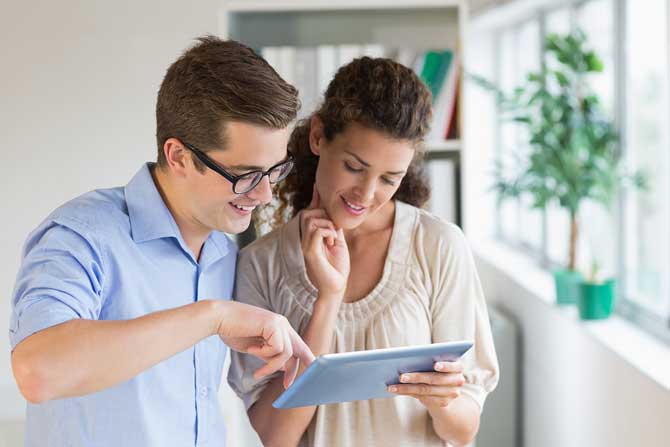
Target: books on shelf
434,69
444,101
310,69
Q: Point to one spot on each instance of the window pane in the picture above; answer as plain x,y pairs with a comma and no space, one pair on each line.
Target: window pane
647,225
598,239
509,209
596,19
558,234
557,21
528,60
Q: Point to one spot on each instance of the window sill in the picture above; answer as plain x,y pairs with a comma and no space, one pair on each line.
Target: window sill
630,343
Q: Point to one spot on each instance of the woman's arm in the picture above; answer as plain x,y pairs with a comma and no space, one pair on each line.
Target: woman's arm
458,422
458,309
327,263
455,416
286,427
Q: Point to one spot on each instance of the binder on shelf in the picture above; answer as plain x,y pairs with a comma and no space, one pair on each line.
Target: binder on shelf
348,53
327,65
286,64
444,105
442,175
271,56
374,50
405,56
436,64
306,81
454,121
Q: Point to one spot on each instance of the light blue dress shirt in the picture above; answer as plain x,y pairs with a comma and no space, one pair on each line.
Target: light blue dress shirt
117,254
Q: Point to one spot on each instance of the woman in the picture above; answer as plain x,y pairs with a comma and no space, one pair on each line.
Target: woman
361,266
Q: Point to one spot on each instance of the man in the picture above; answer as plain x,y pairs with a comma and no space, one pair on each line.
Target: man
121,300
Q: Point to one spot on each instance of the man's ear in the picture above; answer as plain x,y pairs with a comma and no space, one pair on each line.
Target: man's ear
316,137
177,156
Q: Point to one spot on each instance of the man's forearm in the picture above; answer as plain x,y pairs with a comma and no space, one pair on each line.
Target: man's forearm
84,356
285,427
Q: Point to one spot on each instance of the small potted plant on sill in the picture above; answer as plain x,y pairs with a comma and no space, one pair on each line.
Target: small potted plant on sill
596,297
573,154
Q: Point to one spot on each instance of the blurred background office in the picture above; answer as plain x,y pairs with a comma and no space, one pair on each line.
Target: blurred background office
78,87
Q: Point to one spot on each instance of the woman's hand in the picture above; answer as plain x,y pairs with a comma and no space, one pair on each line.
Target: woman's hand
325,250
434,389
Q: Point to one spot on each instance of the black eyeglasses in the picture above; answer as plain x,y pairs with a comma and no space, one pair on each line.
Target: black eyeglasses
248,181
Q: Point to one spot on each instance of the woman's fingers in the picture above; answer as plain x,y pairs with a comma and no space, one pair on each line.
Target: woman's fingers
449,367
442,385
315,223
318,236
422,390
446,379
306,215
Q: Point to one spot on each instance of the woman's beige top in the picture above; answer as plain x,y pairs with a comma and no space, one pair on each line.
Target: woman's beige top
429,292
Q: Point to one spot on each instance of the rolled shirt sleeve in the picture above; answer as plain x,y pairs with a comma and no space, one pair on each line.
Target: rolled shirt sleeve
60,279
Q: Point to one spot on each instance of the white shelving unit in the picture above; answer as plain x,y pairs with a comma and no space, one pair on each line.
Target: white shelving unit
420,24
444,146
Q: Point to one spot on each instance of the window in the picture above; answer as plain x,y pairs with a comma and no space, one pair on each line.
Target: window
519,54
528,60
632,240
558,221
646,220
509,209
599,235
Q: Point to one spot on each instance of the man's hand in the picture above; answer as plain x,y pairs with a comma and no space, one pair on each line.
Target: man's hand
263,334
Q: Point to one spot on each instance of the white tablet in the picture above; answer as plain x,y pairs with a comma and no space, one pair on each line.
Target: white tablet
362,375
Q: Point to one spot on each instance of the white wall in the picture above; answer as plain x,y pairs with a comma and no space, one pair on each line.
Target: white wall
78,88
576,392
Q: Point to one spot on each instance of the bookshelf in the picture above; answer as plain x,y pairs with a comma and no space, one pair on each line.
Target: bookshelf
417,24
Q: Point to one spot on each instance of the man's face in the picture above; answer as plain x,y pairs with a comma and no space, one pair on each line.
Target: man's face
213,204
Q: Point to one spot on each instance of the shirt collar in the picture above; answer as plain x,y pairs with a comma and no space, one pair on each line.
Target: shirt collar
151,219
149,216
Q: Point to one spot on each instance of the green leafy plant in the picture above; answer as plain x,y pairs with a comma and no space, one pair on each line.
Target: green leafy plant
573,152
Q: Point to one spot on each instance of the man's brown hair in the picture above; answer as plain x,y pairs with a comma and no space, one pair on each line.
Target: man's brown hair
215,82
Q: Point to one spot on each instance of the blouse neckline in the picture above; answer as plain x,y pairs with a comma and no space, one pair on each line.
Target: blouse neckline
389,285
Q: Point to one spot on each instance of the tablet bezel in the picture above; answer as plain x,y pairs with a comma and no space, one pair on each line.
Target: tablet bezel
426,355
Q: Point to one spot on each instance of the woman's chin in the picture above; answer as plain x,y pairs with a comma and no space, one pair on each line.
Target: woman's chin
347,222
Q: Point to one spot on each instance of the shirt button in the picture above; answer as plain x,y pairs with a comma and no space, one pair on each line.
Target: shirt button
204,391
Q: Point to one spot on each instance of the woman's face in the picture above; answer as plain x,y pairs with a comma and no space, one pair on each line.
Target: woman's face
358,172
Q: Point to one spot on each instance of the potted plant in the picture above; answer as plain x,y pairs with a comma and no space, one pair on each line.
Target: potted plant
596,298
573,155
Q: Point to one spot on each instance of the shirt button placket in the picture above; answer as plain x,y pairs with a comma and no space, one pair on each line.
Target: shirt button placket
201,391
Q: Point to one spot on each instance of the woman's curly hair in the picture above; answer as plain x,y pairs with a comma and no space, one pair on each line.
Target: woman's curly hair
378,94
